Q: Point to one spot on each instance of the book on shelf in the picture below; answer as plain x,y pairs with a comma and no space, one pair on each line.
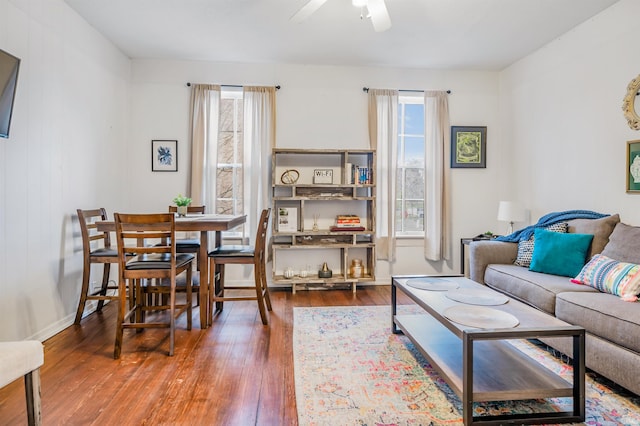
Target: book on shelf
358,175
348,169
347,222
337,228
348,218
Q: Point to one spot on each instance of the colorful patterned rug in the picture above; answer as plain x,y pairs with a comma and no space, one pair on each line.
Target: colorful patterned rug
351,370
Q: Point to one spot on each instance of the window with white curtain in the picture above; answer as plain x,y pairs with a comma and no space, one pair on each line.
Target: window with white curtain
410,168
229,170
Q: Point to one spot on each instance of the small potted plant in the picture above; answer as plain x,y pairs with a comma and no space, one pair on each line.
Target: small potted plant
182,203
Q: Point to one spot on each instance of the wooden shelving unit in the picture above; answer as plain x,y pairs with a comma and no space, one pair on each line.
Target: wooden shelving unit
309,189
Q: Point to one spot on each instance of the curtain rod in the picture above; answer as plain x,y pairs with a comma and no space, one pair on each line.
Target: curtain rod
233,85
366,89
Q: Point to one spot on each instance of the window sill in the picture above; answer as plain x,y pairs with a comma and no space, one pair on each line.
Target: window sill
409,241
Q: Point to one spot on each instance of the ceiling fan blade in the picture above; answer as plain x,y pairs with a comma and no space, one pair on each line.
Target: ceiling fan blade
306,10
379,15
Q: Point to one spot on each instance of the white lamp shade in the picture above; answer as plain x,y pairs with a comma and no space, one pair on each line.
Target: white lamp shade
511,211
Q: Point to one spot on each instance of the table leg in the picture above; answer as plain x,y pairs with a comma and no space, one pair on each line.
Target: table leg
394,306
461,257
204,280
579,371
467,379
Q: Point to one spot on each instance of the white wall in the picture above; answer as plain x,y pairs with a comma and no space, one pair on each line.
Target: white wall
562,120
66,151
318,107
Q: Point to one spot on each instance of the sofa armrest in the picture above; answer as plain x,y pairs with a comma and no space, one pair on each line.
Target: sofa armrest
483,253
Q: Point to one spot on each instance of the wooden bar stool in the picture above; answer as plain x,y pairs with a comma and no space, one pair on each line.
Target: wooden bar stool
148,272
101,252
242,255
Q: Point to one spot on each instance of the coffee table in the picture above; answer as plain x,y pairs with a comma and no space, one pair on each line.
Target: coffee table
477,362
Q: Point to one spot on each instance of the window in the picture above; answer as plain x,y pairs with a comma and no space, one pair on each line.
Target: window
229,172
410,171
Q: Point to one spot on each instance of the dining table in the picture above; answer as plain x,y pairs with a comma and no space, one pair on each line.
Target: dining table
202,223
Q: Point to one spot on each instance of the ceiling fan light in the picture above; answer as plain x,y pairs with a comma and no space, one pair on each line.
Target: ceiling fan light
359,3
379,15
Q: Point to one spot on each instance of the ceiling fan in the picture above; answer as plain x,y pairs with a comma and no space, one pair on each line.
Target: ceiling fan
376,8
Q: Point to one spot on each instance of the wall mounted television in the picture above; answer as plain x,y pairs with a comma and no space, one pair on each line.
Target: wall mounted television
9,66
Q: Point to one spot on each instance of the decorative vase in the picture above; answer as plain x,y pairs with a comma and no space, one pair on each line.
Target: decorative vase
182,210
288,273
355,270
325,272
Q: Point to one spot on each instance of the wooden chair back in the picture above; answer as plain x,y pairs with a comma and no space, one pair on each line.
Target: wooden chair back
261,234
190,209
147,236
88,219
192,237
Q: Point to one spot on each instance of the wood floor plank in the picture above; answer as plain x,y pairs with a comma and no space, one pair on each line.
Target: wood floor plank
237,372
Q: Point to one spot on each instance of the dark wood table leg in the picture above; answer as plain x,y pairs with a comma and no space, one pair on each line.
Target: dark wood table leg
204,280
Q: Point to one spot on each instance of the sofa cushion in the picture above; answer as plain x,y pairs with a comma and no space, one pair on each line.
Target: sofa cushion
559,254
601,229
533,288
602,314
525,247
610,276
624,244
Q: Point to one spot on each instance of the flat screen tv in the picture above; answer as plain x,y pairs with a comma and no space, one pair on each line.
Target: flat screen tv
9,66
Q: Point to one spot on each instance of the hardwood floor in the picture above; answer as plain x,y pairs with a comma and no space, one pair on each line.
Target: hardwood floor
237,372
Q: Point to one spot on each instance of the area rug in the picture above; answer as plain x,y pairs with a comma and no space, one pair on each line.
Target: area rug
351,370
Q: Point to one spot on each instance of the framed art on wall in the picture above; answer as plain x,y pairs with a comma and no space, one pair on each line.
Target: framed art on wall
164,155
468,147
633,166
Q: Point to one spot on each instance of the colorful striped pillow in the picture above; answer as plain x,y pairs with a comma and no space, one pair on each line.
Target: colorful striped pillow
611,276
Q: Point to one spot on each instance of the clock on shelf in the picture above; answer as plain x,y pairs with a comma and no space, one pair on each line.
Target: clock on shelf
290,176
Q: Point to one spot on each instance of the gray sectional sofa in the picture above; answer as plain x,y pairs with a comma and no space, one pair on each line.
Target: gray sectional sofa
612,325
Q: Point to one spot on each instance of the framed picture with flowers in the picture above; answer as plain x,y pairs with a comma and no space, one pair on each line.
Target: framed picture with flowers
164,156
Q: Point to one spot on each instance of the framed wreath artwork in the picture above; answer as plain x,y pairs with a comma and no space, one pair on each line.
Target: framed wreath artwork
468,147
164,155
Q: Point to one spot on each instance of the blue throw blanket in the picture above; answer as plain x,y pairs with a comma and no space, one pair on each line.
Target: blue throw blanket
550,219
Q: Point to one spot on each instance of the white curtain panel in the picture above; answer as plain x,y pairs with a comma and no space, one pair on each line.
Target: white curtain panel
383,137
437,239
260,137
205,112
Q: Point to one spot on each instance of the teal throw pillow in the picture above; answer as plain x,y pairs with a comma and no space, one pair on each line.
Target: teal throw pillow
559,254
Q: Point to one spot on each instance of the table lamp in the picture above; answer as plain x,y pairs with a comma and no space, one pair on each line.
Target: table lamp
510,211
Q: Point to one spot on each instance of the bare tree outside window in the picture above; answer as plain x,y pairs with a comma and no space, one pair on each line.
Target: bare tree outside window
229,173
410,171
